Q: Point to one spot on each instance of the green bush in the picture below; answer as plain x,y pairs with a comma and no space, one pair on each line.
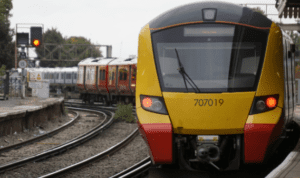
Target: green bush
124,112
66,110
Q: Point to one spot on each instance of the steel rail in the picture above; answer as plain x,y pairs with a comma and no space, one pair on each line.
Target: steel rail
135,170
46,135
61,148
98,156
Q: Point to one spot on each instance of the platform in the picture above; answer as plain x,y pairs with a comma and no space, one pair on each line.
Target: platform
290,167
18,114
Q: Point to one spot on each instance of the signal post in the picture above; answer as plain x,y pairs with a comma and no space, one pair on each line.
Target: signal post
22,40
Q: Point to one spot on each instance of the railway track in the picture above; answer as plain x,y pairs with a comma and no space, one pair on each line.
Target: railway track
101,155
41,137
67,145
138,170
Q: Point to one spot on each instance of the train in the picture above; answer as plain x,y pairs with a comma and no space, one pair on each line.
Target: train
62,79
215,86
107,80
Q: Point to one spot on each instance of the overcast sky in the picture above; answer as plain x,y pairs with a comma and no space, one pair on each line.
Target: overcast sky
107,22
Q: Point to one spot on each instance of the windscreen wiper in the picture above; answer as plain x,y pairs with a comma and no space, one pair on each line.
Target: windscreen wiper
182,72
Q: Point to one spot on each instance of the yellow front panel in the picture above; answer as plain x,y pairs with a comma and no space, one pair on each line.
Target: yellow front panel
147,81
269,117
272,76
188,117
146,117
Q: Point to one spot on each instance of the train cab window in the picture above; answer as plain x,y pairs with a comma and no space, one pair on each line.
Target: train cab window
217,57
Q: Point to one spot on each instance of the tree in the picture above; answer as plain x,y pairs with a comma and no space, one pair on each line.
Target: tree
50,36
7,46
54,36
94,52
259,10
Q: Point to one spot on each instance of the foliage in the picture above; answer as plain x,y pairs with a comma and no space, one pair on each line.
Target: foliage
2,70
55,37
124,112
259,10
50,36
6,44
66,110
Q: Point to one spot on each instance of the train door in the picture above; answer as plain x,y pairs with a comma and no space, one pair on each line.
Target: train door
97,78
84,75
130,78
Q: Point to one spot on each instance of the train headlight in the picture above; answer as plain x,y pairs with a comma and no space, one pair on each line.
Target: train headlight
154,104
264,103
271,102
260,105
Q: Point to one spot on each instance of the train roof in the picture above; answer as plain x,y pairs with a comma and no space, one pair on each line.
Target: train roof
124,61
223,12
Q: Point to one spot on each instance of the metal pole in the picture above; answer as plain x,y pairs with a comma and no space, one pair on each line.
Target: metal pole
16,48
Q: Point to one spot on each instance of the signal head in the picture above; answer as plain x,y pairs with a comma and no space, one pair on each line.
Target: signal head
36,43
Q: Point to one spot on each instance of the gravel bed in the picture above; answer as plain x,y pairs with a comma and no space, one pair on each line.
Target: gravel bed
133,153
117,132
81,126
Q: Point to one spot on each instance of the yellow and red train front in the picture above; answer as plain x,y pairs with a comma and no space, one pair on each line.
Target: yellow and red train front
235,68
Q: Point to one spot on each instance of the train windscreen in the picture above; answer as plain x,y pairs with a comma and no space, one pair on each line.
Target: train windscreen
217,57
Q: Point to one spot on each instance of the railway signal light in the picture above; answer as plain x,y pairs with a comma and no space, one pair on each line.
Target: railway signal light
271,102
36,43
22,38
36,36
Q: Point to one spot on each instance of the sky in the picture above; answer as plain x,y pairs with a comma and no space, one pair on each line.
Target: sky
105,22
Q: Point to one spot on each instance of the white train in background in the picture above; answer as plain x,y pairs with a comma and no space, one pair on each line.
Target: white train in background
60,78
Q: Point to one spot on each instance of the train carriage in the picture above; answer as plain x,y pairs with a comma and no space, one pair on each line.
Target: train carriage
120,79
215,86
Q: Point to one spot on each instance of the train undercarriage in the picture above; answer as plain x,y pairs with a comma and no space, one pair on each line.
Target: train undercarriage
107,100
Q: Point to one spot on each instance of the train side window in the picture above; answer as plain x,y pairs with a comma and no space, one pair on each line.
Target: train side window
113,76
120,75
103,75
88,75
100,71
125,76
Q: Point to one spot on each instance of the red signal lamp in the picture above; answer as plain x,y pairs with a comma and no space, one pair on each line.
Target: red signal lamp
36,43
147,102
271,102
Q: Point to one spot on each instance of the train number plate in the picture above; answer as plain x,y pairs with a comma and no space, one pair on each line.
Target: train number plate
209,102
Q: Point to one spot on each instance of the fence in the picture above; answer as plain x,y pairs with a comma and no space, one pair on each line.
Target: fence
14,87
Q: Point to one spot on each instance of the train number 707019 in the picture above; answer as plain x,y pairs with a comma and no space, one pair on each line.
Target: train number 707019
209,102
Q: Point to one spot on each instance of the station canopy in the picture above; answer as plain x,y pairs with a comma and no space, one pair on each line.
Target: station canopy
288,8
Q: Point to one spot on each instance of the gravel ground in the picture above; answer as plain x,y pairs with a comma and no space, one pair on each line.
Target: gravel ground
81,126
133,153
117,132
